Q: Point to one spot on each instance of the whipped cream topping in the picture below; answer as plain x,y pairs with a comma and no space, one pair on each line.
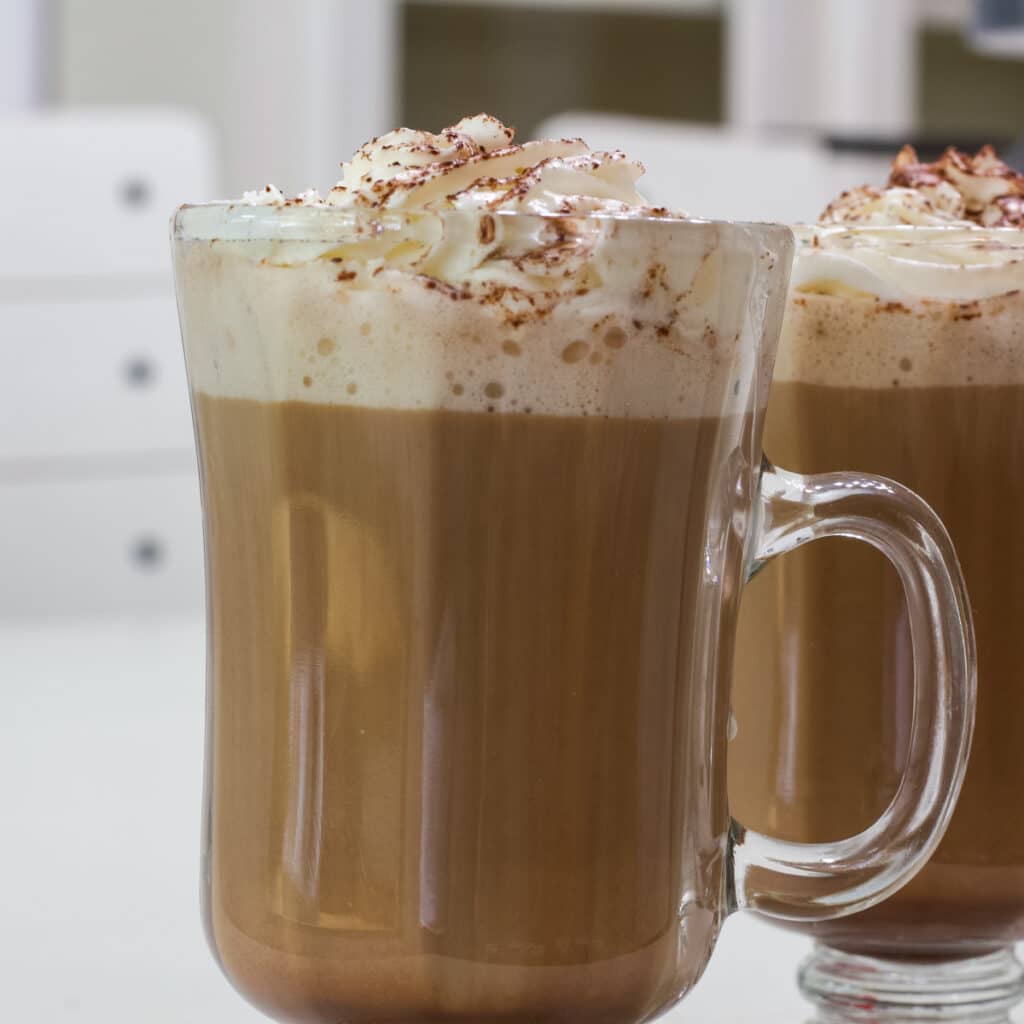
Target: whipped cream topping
431,207
945,231
461,271
269,195
918,284
476,165
957,189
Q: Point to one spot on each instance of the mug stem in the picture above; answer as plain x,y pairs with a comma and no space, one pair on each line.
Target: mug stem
849,987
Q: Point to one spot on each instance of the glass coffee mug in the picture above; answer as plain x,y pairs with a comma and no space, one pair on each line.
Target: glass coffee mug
929,390
481,493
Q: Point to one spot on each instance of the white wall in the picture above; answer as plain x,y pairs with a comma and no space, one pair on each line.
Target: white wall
125,53
290,88
23,29
843,66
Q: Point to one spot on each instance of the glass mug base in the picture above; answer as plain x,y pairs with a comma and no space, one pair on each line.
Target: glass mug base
870,990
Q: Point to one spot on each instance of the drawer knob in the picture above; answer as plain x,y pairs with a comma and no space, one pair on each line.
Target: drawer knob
139,372
135,192
148,553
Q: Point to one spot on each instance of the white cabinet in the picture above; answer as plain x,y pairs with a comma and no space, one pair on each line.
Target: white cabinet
88,194
99,497
112,544
82,377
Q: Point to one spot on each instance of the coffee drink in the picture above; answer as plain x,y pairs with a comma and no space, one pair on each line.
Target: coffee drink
460,519
902,355
395,565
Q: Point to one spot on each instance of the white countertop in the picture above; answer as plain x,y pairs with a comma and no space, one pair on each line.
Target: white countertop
101,755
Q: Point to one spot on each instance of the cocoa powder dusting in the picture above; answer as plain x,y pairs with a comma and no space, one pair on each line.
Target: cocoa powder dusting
975,177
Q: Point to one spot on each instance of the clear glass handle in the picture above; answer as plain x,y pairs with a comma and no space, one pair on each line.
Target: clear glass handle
813,881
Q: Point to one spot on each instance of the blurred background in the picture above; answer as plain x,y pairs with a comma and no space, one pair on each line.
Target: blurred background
112,112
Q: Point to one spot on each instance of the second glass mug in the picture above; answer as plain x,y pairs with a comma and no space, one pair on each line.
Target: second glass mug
480,496
927,389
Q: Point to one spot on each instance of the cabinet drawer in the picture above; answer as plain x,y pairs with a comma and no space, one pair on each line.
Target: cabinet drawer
91,377
89,192
87,547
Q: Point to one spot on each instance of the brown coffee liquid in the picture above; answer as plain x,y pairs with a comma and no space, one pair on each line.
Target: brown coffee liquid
824,672
462,710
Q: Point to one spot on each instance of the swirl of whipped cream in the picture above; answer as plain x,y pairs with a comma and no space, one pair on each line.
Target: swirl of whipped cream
475,165
946,231
434,206
956,189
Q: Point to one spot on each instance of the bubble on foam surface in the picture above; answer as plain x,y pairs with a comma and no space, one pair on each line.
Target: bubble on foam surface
575,351
615,337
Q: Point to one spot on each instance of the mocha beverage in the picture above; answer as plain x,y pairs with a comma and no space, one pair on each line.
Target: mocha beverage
460,517
902,355
400,570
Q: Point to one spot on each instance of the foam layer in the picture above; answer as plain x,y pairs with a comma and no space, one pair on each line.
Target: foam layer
858,342
582,316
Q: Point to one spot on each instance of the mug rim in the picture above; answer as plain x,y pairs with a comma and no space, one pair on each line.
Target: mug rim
238,221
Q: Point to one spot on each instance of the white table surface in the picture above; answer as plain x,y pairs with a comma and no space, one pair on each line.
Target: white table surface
101,755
